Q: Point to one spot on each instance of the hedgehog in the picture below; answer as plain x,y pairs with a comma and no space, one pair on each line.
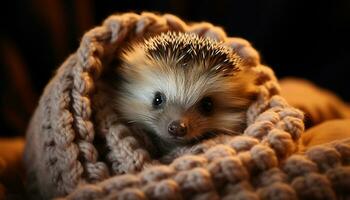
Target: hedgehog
180,89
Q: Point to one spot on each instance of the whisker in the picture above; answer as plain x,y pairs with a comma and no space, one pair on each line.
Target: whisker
227,131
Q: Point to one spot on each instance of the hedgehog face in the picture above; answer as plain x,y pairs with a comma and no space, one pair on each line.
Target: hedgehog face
182,88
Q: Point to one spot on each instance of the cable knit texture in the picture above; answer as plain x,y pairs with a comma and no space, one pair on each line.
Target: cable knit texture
77,149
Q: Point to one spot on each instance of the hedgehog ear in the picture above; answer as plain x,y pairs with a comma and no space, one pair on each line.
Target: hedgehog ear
244,49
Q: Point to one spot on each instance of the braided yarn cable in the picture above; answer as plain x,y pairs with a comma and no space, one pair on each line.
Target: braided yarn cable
260,164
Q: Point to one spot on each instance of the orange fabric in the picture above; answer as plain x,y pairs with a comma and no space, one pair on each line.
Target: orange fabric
11,169
325,132
318,104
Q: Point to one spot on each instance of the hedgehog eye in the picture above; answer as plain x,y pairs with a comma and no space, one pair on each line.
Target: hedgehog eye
158,100
206,106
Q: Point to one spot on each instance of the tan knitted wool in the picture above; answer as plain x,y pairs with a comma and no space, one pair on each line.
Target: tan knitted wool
77,149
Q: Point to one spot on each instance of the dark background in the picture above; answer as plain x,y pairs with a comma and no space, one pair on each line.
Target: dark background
308,39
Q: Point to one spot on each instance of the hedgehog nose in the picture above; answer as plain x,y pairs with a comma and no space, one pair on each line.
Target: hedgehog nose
177,128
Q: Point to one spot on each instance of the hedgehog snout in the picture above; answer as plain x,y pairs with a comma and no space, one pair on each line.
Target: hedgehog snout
177,128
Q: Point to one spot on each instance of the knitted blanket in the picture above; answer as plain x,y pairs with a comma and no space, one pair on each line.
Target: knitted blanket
76,148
